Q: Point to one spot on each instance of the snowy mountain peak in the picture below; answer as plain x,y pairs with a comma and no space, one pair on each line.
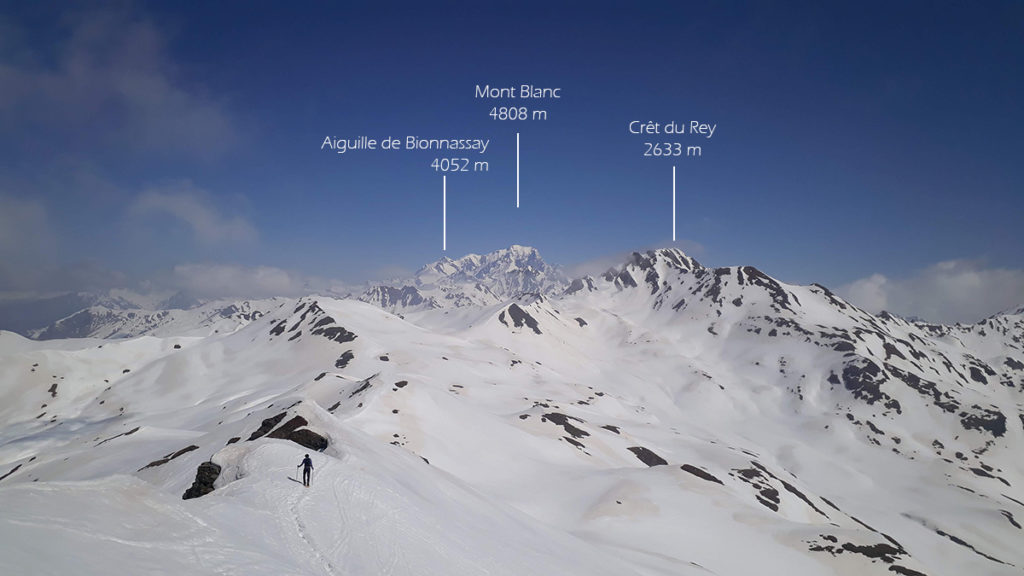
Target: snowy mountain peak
472,280
512,258
667,257
1010,312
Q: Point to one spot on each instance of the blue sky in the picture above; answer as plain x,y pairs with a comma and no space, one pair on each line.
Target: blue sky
870,147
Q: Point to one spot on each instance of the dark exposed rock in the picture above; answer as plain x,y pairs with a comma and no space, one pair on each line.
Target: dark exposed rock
626,279
961,542
829,502
843,347
364,385
792,490
327,328
864,379
991,420
345,358
206,475
574,442
1014,364
714,292
611,428
580,284
904,571
926,388
128,433
169,457
267,426
401,384
13,470
884,552
1010,517
288,427
520,318
891,350
701,473
874,428
388,297
581,322
279,328
831,297
978,376
651,279
309,439
563,421
647,456
292,430
986,474
769,498
1012,499
758,478
780,297
233,440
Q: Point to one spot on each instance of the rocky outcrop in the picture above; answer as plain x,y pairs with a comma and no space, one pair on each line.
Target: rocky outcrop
206,475
290,430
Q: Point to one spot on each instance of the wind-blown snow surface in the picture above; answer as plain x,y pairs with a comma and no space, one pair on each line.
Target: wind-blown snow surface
665,418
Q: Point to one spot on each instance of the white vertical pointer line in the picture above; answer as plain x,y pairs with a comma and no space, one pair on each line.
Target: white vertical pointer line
444,212
517,169
673,203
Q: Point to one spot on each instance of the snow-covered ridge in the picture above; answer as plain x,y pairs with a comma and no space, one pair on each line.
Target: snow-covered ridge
202,319
653,420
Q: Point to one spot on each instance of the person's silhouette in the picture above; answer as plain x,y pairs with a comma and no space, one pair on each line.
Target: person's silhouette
307,467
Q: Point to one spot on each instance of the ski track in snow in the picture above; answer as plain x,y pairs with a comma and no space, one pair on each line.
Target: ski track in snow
326,486
301,530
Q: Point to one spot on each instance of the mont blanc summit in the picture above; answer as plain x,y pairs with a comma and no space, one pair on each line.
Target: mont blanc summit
470,281
490,414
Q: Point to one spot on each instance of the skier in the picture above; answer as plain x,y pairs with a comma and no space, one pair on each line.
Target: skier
307,467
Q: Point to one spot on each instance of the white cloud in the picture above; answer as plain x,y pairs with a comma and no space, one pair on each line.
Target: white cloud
869,293
28,242
233,281
193,207
950,291
110,80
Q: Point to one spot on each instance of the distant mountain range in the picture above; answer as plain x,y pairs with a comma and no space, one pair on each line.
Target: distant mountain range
472,280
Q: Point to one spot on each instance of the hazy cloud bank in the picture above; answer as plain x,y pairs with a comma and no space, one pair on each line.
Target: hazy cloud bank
951,291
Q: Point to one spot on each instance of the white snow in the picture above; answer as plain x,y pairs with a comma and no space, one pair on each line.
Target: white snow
462,441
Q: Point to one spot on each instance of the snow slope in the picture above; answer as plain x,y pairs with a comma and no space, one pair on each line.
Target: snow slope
665,418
